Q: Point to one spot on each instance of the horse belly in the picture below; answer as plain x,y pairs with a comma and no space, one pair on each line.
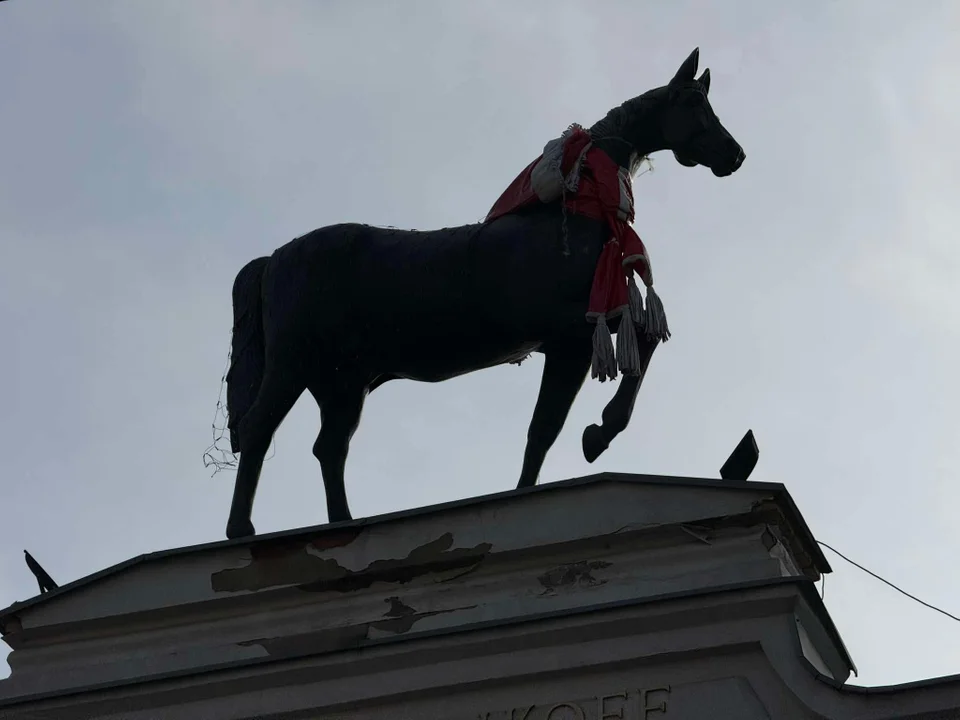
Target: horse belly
435,351
444,365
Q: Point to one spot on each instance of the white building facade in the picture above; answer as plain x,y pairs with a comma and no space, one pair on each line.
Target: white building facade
613,597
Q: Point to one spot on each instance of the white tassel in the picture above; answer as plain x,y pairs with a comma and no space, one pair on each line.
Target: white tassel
636,303
628,350
604,363
655,322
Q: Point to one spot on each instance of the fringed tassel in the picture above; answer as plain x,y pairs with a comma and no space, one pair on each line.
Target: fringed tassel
655,319
604,363
628,349
636,304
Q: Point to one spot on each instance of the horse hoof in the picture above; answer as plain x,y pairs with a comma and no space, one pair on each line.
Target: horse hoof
240,529
338,516
593,443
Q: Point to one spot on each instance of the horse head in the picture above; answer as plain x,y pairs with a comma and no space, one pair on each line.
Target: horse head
676,117
690,127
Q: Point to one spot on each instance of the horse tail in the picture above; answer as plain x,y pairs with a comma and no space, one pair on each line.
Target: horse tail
248,349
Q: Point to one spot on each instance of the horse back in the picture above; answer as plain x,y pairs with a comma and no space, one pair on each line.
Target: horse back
497,279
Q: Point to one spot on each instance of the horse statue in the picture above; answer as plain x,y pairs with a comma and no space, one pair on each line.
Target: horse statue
345,308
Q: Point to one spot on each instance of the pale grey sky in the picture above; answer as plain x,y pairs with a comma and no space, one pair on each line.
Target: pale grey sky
149,149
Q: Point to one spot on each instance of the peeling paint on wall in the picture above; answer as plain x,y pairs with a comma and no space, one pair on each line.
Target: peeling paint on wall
282,562
398,619
293,564
579,574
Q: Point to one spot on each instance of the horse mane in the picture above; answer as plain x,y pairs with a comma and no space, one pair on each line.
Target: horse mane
618,122
622,123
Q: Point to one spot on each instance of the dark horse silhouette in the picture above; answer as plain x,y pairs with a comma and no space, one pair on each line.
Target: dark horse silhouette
345,308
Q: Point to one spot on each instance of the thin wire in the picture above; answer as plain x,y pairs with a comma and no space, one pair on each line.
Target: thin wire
227,459
902,592
215,455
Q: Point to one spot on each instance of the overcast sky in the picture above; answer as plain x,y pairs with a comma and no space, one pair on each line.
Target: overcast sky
150,149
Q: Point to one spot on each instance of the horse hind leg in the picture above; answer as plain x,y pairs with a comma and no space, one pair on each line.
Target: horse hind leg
341,405
278,393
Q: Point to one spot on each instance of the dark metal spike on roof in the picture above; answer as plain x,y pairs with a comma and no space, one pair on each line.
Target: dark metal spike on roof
742,460
45,582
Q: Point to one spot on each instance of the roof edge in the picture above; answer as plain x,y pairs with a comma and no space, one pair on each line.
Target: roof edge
778,490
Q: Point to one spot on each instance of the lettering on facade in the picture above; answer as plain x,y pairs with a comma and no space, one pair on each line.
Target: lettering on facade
640,704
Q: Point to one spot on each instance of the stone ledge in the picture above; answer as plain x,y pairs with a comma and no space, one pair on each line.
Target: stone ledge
551,603
772,499
735,649
338,587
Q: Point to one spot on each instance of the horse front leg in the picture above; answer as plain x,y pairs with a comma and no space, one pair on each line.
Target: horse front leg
564,369
616,415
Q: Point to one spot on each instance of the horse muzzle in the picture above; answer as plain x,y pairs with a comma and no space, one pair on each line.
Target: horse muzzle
728,169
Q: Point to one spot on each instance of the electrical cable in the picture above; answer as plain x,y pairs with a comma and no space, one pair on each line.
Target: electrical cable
902,592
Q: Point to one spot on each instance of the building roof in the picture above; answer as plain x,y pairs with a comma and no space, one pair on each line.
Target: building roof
776,491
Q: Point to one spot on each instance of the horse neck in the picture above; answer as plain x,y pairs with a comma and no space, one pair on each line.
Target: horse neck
632,130
618,149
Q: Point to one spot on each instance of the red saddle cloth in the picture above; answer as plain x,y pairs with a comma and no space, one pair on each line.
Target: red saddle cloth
596,187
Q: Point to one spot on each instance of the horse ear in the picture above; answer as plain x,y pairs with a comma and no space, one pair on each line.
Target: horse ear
705,80
687,71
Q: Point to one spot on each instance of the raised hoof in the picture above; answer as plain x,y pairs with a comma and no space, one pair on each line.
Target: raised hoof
593,443
240,529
